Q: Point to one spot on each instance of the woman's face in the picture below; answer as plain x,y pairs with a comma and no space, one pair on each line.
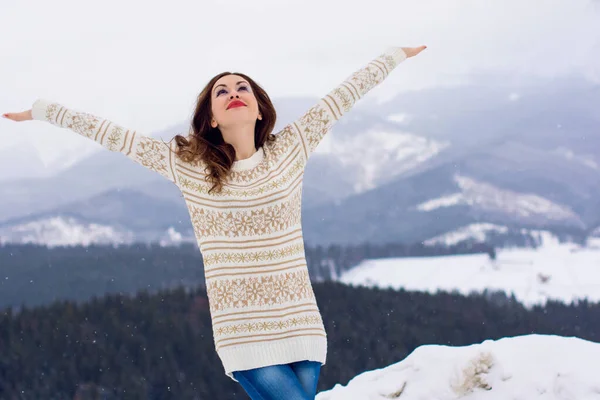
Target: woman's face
233,102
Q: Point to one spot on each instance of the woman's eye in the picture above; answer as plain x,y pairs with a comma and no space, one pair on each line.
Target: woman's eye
225,91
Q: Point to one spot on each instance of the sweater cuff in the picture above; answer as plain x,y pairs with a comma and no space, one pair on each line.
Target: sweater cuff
398,54
38,110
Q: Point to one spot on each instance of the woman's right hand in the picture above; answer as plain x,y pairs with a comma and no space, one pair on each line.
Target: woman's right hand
20,116
413,51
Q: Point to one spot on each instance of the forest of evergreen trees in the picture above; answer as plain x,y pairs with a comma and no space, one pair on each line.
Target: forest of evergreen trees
160,346
36,275
132,322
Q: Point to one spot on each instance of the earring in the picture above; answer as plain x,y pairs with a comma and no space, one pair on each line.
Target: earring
259,117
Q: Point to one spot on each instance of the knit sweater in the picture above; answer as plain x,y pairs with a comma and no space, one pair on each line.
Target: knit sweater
262,305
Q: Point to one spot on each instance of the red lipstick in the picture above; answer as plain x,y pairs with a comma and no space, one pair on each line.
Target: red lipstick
236,103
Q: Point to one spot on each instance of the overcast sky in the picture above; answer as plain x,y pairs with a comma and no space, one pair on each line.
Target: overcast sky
142,64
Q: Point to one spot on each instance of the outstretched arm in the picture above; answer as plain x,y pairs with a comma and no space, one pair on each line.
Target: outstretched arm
318,120
153,154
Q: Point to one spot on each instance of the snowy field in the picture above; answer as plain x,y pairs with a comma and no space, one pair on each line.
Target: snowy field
564,272
522,367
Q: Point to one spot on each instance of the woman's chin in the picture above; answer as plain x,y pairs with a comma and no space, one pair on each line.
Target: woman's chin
241,119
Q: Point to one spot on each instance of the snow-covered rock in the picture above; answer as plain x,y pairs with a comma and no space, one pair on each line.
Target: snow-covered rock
522,367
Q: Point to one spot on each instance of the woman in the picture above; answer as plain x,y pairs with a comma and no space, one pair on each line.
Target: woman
242,186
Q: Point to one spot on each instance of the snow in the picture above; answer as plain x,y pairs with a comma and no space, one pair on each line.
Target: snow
477,232
558,271
583,159
61,231
69,231
487,196
384,154
484,196
170,238
521,367
445,201
593,242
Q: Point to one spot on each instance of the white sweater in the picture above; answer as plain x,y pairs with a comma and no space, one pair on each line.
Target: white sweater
262,304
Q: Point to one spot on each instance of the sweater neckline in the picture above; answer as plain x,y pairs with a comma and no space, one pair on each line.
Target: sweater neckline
250,162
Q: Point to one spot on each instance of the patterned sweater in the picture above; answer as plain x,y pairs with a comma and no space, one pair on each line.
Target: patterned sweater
263,309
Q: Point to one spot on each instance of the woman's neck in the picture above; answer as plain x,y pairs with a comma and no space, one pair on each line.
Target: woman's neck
244,154
242,141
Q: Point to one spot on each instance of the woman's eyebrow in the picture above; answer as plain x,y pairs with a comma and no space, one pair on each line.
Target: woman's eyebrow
222,84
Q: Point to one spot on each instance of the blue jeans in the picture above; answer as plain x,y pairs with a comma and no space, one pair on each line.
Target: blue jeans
295,381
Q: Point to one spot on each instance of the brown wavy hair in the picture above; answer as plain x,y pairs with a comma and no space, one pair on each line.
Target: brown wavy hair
206,143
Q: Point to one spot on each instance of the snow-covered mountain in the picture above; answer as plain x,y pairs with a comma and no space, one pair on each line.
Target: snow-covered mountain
14,166
72,231
114,217
595,232
554,271
425,205
523,367
411,169
488,198
64,231
470,211
454,209
374,152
